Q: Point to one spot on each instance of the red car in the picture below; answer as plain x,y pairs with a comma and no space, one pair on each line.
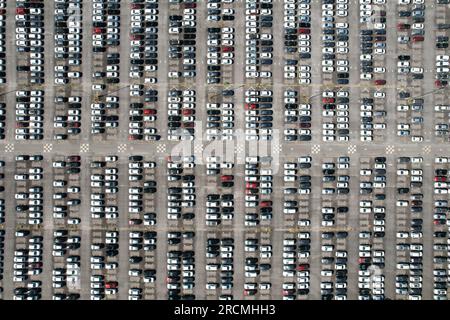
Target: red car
227,178
136,6
417,39
328,100
74,124
304,31
250,106
364,260
150,111
440,179
251,185
227,49
302,267
190,5
440,83
98,30
21,11
187,112
111,284
380,82
265,204
132,137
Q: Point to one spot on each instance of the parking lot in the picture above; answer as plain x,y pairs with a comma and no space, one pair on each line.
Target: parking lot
224,149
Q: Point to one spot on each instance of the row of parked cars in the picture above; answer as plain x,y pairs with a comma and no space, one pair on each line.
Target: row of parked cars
143,70
220,206
67,116
2,120
221,116
2,42
181,201
257,266
142,264
409,222
30,30
219,217
141,212
372,221
410,37
297,114
66,244
411,123
296,212
258,39
440,229
442,67
104,264
220,266
104,188
335,112
28,177
143,113
182,39
2,224
181,188
258,212
335,69
372,68
2,260
27,265
297,40
68,41
106,24
144,41
29,208
66,272
181,114
29,115
221,44
181,267
333,243
441,97
2,189
68,44
258,114
66,189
